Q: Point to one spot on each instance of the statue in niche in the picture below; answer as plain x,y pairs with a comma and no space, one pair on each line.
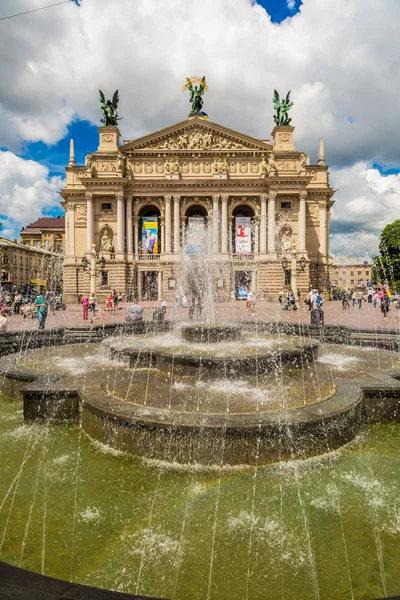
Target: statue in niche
268,166
220,165
286,239
106,241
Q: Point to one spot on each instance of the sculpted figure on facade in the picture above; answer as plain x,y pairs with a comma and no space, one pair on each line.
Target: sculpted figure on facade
302,162
121,164
220,165
106,244
90,168
128,169
286,239
268,166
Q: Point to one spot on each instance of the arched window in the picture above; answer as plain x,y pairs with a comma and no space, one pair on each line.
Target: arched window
243,230
149,231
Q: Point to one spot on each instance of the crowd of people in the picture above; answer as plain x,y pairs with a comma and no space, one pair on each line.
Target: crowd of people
378,297
30,304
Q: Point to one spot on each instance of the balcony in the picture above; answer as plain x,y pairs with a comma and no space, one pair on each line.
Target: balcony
148,257
243,257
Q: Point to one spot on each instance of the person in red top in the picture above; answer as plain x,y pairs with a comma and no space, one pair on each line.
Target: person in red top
109,305
85,306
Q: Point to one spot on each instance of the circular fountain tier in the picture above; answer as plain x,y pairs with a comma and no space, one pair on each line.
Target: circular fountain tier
226,355
210,334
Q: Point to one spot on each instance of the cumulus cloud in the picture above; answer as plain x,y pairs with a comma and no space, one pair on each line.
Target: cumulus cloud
338,60
365,202
26,191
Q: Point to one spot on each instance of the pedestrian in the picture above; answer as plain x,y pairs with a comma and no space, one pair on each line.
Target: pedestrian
92,307
298,296
353,298
375,298
17,303
232,294
345,300
109,303
164,306
115,298
41,304
370,294
385,304
3,321
281,294
359,298
85,307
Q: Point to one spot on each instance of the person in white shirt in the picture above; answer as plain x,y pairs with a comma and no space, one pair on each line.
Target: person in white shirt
3,322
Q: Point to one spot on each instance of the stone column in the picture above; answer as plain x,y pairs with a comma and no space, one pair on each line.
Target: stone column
177,222
139,283
322,229
224,225
71,229
302,223
167,200
256,237
263,224
136,235
159,285
120,224
271,223
129,225
215,224
328,226
162,225
89,221
67,250
183,231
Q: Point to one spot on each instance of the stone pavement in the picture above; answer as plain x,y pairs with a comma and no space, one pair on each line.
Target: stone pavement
366,317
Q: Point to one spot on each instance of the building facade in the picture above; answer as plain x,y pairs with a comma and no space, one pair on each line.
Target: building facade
23,266
138,202
350,273
46,232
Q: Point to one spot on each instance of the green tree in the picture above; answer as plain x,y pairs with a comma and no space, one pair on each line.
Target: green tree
386,266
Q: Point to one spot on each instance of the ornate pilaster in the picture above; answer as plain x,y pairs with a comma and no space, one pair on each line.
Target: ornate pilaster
136,234
224,224
162,225
71,228
256,236
167,200
177,246
302,223
215,222
120,224
263,224
271,224
322,229
89,222
129,226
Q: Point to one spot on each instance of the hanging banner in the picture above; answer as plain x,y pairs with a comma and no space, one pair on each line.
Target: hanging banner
243,235
194,235
149,235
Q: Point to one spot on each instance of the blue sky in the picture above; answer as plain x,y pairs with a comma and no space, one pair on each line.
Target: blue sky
55,61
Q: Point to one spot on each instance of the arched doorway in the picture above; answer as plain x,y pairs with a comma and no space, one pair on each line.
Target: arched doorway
196,230
242,230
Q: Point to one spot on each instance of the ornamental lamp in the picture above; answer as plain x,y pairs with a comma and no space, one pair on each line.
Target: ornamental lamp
303,263
84,262
284,263
102,263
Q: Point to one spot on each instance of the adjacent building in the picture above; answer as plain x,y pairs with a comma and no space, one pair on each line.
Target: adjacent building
47,233
349,272
262,208
23,266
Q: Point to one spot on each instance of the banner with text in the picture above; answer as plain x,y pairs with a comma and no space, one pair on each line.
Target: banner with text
243,235
150,235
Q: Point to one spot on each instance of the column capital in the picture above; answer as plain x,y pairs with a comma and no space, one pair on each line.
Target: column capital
129,197
303,195
168,198
88,196
70,206
322,207
216,197
271,195
119,196
224,198
177,198
263,197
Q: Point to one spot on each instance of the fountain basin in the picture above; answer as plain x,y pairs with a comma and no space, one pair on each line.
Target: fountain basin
210,334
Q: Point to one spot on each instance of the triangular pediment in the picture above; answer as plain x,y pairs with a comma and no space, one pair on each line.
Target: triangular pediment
195,134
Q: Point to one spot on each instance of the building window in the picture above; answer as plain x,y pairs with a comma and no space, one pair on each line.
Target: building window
344,282
21,262
366,272
359,273
106,206
336,273
351,281
104,279
36,243
14,260
343,272
352,273
5,258
26,262
286,205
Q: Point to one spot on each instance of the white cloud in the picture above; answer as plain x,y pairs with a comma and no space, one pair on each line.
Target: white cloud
26,191
365,202
338,59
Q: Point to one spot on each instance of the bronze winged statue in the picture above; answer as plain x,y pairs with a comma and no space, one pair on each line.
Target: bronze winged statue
109,108
282,107
196,93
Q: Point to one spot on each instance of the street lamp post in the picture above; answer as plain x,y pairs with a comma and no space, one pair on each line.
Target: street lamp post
294,271
93,256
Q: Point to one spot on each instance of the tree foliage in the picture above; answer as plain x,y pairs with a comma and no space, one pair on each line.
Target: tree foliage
387,264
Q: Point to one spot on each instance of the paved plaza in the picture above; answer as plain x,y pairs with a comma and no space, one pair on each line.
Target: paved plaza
366,317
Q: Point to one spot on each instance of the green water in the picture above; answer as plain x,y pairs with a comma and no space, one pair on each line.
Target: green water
327,527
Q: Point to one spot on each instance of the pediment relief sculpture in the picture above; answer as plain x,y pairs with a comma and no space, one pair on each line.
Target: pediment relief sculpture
195,140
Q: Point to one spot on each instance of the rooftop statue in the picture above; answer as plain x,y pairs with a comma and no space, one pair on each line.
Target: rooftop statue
196,93
109,108
282,107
